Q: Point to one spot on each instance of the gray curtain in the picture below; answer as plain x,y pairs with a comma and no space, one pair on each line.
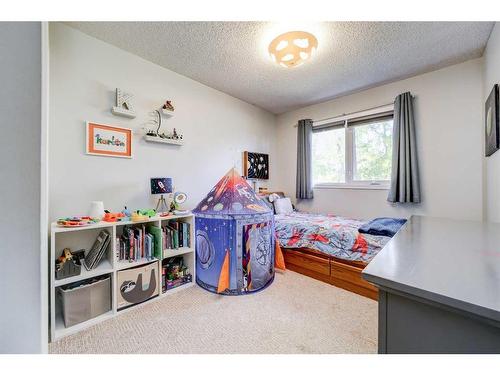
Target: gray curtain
304,154
405,182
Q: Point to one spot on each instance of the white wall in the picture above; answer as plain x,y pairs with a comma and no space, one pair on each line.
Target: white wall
448,109
23,314
492,173
84,73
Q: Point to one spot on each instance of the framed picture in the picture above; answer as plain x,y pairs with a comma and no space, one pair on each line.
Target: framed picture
255,165
107,140
492,140
161,185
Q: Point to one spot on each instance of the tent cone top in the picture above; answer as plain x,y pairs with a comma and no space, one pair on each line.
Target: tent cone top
232,195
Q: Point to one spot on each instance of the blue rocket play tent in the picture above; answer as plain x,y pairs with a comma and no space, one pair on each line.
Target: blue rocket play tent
234,239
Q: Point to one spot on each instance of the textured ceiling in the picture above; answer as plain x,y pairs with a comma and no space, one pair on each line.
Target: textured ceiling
232,56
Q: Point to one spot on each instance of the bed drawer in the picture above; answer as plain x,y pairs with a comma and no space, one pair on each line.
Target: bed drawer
350,274
307,261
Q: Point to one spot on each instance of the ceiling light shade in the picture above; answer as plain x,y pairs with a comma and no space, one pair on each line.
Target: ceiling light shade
292,48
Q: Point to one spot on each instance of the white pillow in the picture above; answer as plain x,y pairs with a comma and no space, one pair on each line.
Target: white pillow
283,206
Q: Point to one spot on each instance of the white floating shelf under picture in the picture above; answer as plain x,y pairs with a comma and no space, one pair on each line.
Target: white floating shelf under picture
176,142
117,111
167,113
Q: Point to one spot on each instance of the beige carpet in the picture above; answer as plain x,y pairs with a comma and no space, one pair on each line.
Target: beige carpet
296,314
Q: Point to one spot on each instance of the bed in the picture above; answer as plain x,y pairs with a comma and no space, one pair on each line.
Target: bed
328,248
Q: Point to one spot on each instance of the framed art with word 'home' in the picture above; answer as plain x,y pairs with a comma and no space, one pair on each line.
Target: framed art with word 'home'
108,140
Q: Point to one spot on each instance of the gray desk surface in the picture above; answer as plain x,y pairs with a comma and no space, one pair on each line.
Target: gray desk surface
452,262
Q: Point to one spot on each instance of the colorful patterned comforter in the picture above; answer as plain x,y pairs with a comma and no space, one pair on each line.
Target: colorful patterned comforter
332,235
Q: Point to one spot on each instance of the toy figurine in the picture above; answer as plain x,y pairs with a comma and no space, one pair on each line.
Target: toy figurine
137,216
173,206
149,212
168,106
126,212
112,217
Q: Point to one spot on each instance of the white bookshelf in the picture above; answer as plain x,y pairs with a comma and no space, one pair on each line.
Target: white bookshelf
83,238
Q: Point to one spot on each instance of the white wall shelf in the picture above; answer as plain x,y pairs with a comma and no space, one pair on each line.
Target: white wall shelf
124,264
169,253
103,268
167,113
83,237
117,111
176,142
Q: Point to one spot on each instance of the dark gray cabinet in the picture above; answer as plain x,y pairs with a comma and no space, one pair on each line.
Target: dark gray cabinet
439,284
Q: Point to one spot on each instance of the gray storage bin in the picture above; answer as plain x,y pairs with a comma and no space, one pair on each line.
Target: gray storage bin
86,301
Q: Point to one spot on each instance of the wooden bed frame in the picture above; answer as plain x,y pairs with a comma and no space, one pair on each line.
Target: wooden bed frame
344,274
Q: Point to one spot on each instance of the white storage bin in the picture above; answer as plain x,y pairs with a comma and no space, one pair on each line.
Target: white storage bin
86,301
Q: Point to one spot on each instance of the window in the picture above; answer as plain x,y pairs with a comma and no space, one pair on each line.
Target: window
354,152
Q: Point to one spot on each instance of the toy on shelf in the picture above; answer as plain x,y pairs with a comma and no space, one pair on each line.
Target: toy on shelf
137,216
153,135
126,212
142,215
68,264
77,221
179,198
148,212
112,217
168,106
174,273
160,186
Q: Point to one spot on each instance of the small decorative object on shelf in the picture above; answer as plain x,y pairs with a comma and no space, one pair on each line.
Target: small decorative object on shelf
77,221
68,264
152,135
161,185
126,212
168,106
172,136
142,215
124,104
96,209
179,198
112,217
174,273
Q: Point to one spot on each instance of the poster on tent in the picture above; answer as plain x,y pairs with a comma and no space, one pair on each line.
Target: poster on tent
107,140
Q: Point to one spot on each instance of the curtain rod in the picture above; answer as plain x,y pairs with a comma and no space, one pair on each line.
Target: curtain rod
351,113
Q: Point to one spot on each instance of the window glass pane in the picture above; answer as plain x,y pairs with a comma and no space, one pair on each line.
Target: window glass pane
372,151
328,156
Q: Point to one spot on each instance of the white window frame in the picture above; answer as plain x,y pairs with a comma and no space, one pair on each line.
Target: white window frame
350,183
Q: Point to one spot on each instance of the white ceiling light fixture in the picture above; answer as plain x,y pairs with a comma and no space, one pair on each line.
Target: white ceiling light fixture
292,48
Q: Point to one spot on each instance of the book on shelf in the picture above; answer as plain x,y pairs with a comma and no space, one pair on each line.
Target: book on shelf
95,254
175,235
135,244
157,240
